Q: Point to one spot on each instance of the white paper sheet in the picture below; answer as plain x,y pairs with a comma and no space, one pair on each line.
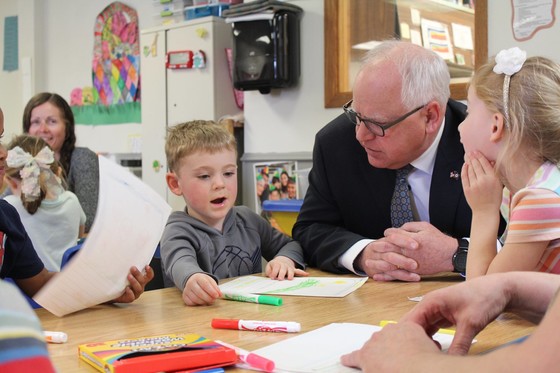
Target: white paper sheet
329,344
462,36
336,287
129,222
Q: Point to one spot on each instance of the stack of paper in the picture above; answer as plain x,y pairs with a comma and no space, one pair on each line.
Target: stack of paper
329,344
128,225
302,286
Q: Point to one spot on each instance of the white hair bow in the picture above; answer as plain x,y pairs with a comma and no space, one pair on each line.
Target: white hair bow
32,167
508,62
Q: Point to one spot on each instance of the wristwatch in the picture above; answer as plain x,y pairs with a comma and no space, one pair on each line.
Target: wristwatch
459,259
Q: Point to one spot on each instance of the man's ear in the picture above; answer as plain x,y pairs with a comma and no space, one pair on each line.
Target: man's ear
173,183
432,115
498,127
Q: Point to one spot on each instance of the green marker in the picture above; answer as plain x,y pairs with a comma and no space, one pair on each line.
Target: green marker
252,298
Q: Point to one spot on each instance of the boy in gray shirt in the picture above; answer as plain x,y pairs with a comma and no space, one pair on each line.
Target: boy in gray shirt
212,239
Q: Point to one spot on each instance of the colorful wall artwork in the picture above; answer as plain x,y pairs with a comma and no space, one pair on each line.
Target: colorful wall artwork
115,93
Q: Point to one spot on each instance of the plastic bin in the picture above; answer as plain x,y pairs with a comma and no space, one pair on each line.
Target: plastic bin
302,181
215,10
207,2
284,212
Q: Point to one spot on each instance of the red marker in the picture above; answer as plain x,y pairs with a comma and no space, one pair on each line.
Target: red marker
258,326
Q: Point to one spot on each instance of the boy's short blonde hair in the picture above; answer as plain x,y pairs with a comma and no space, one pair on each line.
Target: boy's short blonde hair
198,135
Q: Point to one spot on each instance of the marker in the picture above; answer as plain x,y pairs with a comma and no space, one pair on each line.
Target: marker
55,337
258,326
252,298
254,360
211,370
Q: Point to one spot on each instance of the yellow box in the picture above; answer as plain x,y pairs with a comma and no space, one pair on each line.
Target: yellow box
282,214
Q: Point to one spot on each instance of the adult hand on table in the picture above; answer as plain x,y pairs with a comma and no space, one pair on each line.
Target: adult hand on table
382,260
469,306
384,351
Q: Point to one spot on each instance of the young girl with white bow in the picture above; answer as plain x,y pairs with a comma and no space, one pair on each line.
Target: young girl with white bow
512,139
51,215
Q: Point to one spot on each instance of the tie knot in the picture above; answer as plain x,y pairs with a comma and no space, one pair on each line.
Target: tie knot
402,173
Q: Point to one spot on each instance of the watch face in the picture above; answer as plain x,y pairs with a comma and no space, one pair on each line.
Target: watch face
460,261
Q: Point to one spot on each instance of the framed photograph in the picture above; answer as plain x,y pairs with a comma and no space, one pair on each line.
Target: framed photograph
275,181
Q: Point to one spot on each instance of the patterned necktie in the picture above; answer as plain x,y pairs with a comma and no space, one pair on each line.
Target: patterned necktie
401,206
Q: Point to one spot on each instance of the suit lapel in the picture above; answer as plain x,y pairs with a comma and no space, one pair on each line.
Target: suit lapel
446,190
380,184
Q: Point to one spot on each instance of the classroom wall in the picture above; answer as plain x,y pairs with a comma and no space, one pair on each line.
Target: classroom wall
61,51
68,38
286,120
57,36
16,87
500,34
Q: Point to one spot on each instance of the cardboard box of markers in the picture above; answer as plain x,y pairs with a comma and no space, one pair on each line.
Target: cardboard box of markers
162,353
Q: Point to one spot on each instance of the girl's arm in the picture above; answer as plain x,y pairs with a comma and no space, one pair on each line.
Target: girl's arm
518,257
483,191
482,245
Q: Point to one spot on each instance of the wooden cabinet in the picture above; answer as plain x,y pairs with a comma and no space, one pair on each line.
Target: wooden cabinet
348,23
172,96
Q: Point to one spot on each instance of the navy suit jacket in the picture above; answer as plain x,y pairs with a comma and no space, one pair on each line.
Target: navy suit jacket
348,199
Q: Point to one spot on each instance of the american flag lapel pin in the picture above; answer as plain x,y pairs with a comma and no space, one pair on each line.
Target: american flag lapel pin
454,175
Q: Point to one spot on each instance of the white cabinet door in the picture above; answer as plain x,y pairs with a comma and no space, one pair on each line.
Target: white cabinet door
172,96
154,110
205,93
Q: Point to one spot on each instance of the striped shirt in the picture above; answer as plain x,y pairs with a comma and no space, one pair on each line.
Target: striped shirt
22,343
534,215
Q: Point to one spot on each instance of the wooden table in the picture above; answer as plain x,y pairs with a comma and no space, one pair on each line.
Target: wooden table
163,311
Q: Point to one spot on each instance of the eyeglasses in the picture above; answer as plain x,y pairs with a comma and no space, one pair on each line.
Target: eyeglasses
376,128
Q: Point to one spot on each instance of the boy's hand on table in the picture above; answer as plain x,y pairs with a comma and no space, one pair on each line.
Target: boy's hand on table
281,268
201,290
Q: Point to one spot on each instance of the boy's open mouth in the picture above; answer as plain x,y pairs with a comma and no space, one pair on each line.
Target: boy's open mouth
218,200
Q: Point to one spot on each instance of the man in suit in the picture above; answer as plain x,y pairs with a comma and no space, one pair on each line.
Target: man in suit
400,115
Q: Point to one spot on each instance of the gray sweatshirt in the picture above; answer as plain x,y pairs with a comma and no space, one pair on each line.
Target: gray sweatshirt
189,246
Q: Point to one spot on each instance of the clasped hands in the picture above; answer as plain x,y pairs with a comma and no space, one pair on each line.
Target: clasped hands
406,253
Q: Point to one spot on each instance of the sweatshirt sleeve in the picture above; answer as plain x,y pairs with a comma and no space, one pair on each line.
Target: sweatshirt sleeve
274,242
182,254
